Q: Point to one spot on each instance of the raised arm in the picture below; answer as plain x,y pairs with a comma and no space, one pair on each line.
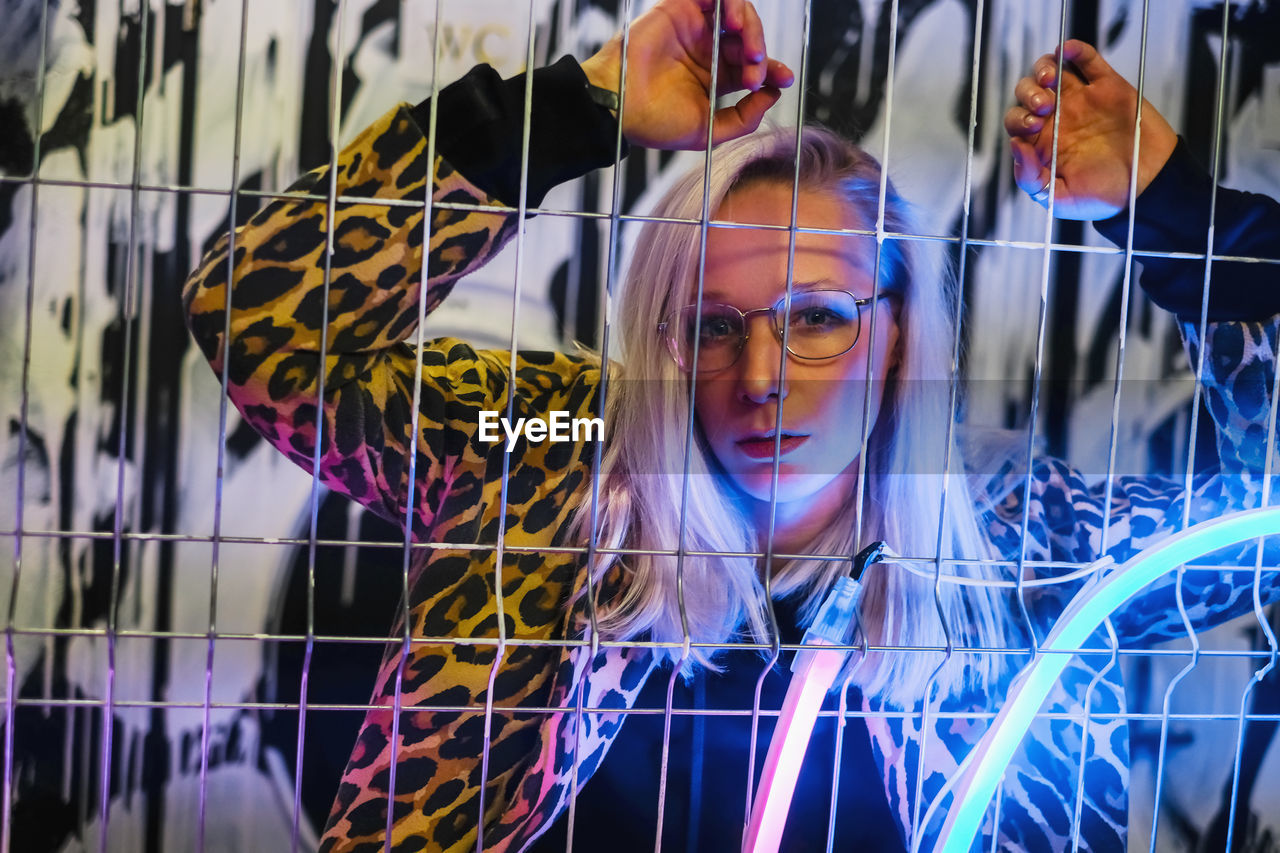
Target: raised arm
283,272
1094,109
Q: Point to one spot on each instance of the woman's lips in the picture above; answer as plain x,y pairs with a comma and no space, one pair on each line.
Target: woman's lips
762,448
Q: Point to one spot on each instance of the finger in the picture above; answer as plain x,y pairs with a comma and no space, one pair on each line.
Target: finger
732,51
754,67
778,74
753,37
1045,71
744,55
1033,97
1021,122
1031,176
1086,59
745,116
731,17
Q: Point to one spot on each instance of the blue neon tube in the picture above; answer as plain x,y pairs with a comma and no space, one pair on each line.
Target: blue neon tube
976,783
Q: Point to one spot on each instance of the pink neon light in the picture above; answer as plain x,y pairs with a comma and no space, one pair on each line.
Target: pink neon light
812,676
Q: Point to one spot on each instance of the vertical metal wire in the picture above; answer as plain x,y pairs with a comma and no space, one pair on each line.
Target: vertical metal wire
1125,288
522,207
10,658
129,318
1038,370
410,502
573,264
952,405
602,399
775,633
1197,393
931,683
1267,473
841,717
995,817
223,406
1084,734
1268,467
295,824
689,438
860,497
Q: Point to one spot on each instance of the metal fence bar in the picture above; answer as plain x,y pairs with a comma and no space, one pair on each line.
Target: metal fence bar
689,437
606,328
129,318
1197,394
128,544
766,570
11,664
520,248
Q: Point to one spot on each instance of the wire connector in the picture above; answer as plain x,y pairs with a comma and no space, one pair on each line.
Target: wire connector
837,617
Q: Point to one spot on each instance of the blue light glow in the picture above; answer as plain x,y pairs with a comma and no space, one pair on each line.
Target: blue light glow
982,770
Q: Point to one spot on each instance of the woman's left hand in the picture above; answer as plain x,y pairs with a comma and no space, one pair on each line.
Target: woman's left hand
669,63
1094,108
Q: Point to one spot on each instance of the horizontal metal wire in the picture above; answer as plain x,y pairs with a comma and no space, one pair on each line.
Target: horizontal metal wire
566,549
521,710
593,643
422,641
1035,245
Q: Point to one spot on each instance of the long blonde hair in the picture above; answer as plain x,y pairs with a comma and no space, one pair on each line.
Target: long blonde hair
644,488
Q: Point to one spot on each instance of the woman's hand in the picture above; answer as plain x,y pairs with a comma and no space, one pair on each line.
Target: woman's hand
1095,112
669,61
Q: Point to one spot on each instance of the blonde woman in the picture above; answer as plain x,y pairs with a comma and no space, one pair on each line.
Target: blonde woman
507,708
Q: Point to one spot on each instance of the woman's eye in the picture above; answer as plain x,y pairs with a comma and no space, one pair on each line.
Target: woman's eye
817,320
716,329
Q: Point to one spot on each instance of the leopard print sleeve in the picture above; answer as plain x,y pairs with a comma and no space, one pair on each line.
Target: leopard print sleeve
1239,375
1073,521
362,261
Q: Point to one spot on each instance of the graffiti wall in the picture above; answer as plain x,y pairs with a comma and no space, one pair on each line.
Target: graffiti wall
131,532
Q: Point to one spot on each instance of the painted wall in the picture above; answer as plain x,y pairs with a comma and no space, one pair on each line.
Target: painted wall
148,113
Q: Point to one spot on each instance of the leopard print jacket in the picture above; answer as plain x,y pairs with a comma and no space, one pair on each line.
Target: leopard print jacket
514,674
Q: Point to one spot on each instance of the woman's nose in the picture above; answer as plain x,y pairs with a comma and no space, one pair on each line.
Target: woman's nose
760,363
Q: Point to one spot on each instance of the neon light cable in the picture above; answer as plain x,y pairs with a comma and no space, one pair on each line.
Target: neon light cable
981,772
813,671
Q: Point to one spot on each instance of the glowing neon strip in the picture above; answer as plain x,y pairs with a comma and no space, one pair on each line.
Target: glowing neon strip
976,783
813,674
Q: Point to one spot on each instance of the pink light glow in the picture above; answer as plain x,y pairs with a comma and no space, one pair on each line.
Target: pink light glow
812,676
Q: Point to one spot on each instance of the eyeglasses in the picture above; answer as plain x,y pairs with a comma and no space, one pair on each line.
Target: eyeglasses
823,324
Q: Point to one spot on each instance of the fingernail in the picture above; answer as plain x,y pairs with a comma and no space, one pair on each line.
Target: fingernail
1037,101
1030,121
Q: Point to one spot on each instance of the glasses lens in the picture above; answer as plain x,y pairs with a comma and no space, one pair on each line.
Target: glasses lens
716,328
823,323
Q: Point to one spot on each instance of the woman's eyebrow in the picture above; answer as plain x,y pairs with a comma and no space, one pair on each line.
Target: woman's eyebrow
796,287
815,284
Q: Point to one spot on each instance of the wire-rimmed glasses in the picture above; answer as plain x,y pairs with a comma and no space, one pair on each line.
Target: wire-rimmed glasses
824,324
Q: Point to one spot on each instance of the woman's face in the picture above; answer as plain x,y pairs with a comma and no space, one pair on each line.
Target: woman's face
822,402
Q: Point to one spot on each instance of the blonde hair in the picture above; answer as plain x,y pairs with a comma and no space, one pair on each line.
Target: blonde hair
643,486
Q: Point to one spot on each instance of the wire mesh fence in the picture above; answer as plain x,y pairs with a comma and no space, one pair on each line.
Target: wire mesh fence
195,623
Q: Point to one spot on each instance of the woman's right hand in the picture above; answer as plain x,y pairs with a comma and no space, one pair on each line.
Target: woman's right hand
669,61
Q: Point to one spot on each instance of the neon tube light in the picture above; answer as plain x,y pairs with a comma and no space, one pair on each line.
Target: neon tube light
813,671
976,783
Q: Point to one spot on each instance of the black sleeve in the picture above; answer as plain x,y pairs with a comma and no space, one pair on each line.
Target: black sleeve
480,128
1172,215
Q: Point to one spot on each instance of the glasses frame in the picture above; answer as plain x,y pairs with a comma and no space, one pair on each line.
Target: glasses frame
778,312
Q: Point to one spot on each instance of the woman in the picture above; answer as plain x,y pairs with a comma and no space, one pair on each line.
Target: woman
491,688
